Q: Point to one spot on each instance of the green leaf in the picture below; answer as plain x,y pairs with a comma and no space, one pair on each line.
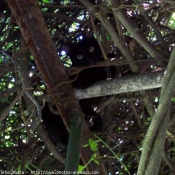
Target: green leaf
96,161
81,168
93,158
93,145
94,155
173,99
46,1
171,22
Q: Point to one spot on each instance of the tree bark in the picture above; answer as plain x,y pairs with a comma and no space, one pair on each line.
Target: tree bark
123,84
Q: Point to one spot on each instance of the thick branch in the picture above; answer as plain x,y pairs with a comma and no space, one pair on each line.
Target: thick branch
122,85
167,93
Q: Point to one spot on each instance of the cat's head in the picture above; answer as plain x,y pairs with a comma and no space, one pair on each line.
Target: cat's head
84,53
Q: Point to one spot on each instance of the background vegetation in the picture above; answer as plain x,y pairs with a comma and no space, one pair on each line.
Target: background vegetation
138,32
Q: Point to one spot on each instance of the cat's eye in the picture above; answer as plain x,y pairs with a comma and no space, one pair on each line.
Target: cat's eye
91,49
80,57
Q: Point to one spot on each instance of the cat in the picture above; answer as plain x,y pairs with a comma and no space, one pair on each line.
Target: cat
85,53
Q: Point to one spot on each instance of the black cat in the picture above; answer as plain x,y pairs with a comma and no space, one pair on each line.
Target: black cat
85,53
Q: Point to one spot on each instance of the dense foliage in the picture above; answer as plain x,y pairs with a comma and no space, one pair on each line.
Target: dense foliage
140,32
